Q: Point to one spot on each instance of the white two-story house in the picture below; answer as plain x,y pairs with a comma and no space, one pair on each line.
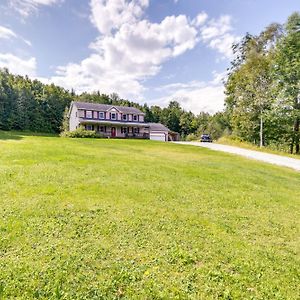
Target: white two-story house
115,121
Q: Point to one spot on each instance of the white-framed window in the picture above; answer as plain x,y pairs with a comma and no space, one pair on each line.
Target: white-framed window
113,116
89,114
124,130
136,130
102,129
101,115
124,117
135,117
89,127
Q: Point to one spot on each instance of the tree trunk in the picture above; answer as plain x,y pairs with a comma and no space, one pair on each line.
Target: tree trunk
296,132
261,138
292,147
296,126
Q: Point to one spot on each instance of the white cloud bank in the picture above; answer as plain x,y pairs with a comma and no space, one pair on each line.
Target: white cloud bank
196,96
18,65
130,49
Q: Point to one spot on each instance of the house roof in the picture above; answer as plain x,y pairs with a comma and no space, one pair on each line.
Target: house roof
157,127
106,107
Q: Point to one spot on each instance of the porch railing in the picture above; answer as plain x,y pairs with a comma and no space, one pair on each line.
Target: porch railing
137,135
125,135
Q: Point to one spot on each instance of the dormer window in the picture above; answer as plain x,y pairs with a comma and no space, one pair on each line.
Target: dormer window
89,114
113,116
101,115
135,117
124,117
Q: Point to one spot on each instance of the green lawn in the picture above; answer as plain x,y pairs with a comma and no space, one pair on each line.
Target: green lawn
109,219
246,145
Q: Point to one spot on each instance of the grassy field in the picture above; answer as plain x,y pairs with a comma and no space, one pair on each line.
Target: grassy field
226,140
111,219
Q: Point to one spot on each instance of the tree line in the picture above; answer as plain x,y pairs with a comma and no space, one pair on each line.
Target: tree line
27,104
262,104
263,87
30,105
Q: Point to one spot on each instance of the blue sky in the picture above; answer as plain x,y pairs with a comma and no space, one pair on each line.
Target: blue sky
149,51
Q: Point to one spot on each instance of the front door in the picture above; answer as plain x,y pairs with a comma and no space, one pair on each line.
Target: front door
113,131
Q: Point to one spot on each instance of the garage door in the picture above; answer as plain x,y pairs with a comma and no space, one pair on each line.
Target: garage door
158,137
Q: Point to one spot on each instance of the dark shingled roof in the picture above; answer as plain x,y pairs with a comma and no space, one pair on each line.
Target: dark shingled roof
157,127
106,107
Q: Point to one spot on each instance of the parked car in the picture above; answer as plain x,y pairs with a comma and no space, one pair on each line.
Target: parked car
206,138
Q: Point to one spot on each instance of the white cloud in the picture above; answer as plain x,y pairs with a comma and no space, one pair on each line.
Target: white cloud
209,98
14,63
27,7
217,34
27,42
200,19
196,96
6,33
128,49
216,28
18,65
223,44
112,14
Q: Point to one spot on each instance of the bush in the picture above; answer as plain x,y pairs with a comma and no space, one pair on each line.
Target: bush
233,138
191,137
80,133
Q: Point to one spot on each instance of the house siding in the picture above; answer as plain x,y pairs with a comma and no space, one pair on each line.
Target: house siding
73,121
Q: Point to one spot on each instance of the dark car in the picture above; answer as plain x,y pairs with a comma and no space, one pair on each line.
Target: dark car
206,138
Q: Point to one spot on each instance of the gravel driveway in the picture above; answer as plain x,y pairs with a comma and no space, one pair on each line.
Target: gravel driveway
266,157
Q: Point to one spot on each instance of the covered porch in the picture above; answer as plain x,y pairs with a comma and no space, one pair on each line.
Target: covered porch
119,130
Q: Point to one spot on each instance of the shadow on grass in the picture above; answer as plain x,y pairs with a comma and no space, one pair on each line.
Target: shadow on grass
9,135
18,135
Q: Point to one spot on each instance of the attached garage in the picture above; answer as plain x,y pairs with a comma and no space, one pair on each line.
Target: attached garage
158,137
158,132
